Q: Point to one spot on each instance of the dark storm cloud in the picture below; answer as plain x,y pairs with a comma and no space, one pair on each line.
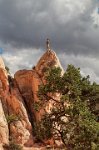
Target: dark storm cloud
28,23
25,25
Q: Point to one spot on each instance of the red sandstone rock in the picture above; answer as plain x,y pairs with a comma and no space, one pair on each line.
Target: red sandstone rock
18,96
11,103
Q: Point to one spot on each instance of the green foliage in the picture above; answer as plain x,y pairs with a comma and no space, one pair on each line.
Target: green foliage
53,83
7,68
43,128
37,105
12,118
75,123
12,146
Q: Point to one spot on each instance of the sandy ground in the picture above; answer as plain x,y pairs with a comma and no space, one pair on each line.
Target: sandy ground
35,148
43,148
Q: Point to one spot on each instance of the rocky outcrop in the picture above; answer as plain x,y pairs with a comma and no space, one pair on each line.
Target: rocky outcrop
18,96
12,109
29,80
48,60
20,129
2,63
3,77
4,132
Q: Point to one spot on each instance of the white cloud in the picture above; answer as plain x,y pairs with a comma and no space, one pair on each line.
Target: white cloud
24,59
88,65
95,16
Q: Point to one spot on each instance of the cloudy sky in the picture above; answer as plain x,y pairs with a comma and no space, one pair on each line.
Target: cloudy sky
72,26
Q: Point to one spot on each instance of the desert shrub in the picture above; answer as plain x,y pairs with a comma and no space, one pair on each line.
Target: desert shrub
43,129
12,118
12,146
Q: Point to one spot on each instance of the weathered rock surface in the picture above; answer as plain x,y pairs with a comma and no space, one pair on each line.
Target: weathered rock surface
4,132
2,63
3,77
20,130
29,80
17,99
24,81
49,59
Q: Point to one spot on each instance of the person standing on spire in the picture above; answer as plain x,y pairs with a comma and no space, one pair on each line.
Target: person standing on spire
48,44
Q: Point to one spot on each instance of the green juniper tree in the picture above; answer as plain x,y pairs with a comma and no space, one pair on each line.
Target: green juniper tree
72,118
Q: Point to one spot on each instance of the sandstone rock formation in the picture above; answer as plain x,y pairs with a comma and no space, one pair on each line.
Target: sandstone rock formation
29,80
2,63
4,132
12,104
17,100
49,59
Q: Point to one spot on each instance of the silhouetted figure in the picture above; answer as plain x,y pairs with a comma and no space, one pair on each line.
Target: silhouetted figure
48,44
